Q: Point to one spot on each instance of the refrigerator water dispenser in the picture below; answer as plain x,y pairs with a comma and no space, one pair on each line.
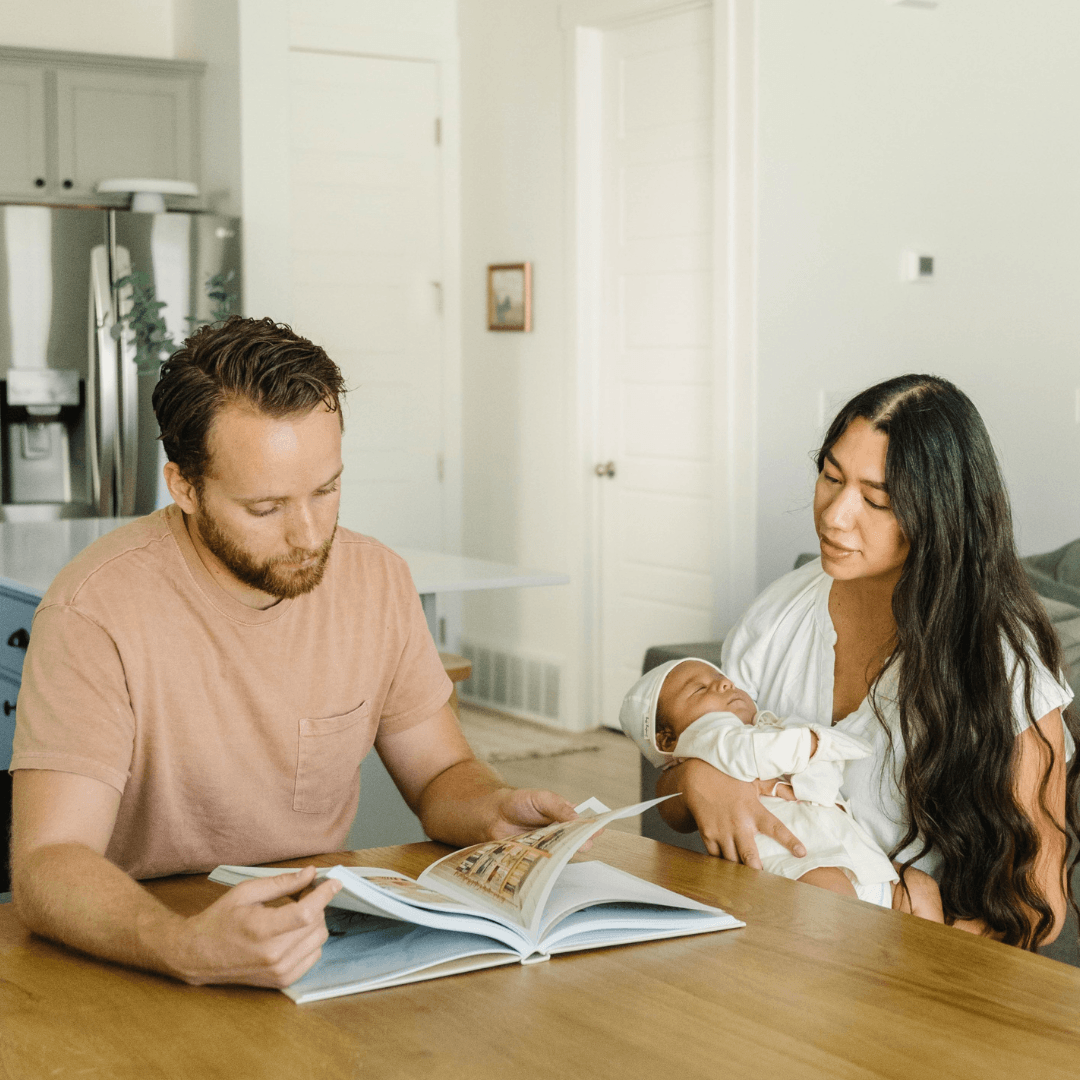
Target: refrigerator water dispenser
42,437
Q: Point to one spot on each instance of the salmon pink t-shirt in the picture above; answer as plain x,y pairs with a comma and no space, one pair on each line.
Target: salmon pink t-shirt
233,735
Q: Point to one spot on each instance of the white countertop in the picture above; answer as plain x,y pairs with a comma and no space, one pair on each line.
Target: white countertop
434,572
32,553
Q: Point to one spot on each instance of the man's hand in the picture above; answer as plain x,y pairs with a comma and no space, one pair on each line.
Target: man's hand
517,810
458,799
65,889
238,939
728,812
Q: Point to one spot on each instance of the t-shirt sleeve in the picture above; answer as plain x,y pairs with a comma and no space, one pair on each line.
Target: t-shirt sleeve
419,686
1047,694
74,712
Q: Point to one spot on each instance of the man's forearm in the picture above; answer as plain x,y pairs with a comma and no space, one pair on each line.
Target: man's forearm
457,807
71,894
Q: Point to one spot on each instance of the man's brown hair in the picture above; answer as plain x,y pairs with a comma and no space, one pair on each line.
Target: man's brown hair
252,362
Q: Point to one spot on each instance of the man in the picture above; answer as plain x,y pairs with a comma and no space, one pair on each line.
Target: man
201,685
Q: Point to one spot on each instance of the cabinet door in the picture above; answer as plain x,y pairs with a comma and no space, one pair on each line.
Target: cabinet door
16,615
22,128
123,124
9,692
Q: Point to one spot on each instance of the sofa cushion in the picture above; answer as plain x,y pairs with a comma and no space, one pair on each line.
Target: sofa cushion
703,650
1056,574
1066,621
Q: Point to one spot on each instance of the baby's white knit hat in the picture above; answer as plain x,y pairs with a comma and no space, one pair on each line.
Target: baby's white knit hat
638,712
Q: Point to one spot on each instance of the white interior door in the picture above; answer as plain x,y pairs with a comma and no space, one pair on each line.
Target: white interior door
366,274
656,380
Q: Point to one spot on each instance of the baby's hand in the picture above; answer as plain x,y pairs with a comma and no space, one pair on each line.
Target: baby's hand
779,787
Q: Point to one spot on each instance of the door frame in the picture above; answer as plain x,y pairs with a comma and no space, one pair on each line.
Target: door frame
734,300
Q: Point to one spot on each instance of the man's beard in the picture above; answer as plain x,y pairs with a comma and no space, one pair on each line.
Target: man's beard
271,576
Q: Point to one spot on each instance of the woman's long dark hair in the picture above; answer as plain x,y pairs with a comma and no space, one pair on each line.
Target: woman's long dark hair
963,609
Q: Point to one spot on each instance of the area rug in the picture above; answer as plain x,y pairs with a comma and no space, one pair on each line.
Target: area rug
497,738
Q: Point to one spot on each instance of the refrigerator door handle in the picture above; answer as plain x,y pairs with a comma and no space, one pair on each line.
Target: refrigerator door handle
101,385
128,464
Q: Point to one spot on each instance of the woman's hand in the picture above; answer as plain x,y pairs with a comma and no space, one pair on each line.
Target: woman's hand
727,812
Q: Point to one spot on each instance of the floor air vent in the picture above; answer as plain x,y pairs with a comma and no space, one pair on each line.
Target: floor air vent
515,684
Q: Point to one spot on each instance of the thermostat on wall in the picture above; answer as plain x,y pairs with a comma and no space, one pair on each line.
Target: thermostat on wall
915,266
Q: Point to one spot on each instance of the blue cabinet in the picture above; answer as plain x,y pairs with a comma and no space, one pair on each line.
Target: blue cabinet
17,604
9,691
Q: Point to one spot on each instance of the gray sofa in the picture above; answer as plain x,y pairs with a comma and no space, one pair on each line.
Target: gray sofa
1055,577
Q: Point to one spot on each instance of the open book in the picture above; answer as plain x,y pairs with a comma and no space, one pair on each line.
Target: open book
501,902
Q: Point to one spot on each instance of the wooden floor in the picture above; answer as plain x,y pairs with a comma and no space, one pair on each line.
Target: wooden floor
610,773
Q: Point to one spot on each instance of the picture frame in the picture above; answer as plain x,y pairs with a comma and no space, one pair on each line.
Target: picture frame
509,296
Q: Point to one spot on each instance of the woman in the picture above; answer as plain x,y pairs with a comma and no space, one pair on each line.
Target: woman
917,631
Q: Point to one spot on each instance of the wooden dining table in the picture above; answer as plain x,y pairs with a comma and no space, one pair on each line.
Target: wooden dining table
815,985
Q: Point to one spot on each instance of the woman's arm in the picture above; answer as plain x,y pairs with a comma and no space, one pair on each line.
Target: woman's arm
1033,759
727,812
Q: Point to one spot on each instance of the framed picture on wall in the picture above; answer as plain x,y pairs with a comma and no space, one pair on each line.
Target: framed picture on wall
510,296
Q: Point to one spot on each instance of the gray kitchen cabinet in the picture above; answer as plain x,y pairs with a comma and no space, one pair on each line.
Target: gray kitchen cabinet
123,123
71,120
22,129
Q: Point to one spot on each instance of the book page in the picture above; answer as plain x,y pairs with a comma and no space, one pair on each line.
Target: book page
584,884
384,893
510,879
347,901
363,953
617,924
401,887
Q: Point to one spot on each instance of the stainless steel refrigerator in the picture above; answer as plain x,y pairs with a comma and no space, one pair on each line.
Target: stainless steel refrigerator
78,437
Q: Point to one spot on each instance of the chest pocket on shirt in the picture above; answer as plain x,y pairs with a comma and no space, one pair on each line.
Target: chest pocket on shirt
328,756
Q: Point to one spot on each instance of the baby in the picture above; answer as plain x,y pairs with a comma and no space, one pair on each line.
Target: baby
690,709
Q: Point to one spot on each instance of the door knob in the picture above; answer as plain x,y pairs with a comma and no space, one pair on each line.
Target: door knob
605,468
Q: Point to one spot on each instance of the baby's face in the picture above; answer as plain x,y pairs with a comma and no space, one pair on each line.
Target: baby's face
693,689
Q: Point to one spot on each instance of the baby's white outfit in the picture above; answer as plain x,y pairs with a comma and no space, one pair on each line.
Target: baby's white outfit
831,836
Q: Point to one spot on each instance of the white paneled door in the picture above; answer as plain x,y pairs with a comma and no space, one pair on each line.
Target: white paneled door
656,438
366,276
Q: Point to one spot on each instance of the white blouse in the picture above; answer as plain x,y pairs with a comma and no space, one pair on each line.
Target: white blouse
781,653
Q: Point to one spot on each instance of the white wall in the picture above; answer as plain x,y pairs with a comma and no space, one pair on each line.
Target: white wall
517,390
209,30
120,27
954,130
881,127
